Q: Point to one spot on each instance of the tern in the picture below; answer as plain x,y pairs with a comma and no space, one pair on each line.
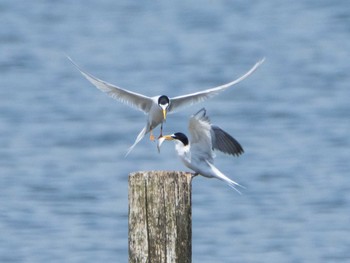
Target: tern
157,107
198,153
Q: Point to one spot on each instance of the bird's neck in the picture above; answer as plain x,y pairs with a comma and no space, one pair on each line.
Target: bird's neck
183,151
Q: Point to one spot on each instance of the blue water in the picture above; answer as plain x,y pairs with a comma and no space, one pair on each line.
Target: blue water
63,181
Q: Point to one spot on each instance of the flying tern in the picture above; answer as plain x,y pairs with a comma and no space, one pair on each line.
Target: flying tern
198,153
157,107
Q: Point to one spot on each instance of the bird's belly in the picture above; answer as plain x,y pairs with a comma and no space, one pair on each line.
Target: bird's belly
156,118
199,167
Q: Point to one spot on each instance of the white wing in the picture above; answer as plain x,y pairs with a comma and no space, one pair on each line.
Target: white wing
133,99
201,141
190,99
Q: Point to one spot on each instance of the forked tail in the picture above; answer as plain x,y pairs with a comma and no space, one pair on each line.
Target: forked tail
138,139
224,178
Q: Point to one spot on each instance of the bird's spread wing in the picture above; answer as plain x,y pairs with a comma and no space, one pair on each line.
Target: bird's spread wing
201,142
133,99
190,99
224,142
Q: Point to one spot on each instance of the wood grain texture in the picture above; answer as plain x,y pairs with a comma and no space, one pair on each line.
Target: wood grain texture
160,217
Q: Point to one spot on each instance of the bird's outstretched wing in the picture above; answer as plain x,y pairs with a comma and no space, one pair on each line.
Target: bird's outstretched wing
193,98
224,142
200,130
133,99
207,135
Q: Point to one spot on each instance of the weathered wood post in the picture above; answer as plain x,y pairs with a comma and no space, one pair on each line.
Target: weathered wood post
160,219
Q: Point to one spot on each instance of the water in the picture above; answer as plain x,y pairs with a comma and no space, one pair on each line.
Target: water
63,195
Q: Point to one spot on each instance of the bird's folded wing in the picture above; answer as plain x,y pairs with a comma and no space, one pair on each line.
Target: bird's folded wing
193,98
224,142
133,99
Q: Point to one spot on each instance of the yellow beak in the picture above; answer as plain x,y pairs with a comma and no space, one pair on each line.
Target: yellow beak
168,137
164,114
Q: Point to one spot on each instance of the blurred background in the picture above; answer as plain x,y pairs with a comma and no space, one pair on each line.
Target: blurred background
63,175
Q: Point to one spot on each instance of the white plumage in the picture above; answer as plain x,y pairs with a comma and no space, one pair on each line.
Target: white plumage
198,153
157,107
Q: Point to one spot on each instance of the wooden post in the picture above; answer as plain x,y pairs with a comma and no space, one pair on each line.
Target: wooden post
160,219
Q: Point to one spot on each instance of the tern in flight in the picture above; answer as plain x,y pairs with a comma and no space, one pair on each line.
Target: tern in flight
198,153
157,107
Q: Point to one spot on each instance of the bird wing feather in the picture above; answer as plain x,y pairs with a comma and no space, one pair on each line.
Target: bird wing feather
133,99
206,137
224,142
193,98
201,142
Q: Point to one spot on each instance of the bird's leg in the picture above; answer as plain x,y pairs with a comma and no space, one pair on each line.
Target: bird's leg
151,136
194,174
161,131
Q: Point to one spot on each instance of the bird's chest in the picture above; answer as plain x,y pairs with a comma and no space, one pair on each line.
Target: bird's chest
184,154
156,117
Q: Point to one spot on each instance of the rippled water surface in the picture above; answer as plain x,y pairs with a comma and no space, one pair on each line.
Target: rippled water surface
63,175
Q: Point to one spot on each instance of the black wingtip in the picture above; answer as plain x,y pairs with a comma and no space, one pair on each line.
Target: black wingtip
225,143
201,112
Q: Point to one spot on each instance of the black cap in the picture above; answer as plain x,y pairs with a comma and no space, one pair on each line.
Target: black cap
181,137
162,100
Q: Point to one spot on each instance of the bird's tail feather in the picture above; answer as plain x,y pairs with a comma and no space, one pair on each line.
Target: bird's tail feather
232,184
138,139
224,178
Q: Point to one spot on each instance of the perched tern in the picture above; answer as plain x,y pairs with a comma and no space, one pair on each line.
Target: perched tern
157,107
198,153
